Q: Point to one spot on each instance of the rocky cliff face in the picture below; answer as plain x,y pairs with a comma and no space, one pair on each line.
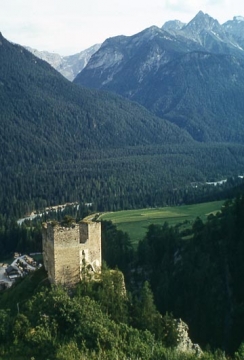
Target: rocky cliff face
235,28
68,66
207,32
137,55
184,342
191,74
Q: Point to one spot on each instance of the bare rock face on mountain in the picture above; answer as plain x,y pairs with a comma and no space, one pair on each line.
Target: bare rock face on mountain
68,66
173,26
42,110
235,28
185,344
207,31
191,74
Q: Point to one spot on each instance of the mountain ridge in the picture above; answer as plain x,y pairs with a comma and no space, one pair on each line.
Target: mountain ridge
69,66
141,64
63,143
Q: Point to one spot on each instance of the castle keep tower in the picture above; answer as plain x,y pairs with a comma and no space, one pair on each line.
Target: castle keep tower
68,250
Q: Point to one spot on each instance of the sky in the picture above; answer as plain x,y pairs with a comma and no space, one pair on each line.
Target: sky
67,27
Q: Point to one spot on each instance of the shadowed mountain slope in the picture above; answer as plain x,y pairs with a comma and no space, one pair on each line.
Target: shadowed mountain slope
192,74
69,66
62,143
42,113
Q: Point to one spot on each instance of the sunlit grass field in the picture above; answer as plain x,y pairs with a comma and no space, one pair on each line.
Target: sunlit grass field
135,222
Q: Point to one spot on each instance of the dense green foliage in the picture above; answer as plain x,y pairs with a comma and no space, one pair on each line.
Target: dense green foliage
117,250
120,179
61,143
198,279
204,99
190,77
201,279
18,238
94,321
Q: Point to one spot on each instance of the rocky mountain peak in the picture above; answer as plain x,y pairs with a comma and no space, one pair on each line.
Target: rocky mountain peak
202,22
68,66
235,28
173,26
150,33
208,33
151,66
238,18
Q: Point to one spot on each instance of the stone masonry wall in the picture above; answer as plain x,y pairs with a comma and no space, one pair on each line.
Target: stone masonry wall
93,243
66,255
67,249
48,251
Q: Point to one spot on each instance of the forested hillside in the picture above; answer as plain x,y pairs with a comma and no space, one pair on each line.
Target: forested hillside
62,143
94,321
44,115
191,74
197,275
56,135
197,278
200,277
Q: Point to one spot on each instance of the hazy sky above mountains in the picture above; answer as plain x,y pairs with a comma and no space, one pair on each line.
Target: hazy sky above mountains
69,26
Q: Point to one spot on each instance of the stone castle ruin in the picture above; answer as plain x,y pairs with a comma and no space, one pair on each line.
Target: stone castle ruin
68,251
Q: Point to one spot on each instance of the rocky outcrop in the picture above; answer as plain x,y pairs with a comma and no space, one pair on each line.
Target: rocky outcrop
68,66
184,342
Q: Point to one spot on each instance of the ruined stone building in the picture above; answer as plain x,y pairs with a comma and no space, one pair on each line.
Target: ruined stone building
67,251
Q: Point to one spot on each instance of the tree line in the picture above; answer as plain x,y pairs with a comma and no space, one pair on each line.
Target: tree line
195,275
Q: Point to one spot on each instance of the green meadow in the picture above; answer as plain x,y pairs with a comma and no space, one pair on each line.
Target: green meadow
135,222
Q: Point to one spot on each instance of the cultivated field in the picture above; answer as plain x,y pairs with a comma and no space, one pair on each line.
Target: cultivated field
135,222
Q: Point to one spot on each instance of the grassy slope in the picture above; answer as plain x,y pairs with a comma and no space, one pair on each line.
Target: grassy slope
135,222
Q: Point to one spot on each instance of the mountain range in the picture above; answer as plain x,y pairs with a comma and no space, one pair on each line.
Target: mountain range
190,74
68,66
147,123
62,142
40,105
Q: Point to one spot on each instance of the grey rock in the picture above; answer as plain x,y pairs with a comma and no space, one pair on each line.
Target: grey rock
184,342
68,66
